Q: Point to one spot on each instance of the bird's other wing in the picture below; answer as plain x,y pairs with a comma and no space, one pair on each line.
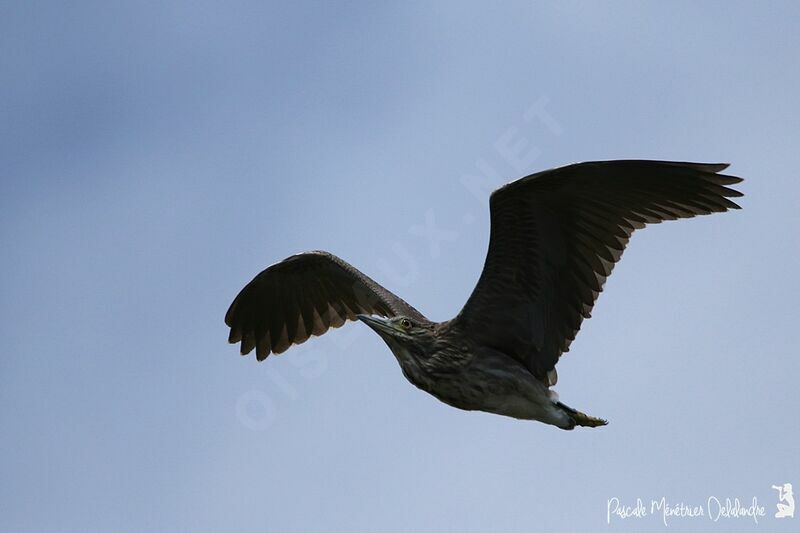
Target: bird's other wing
304,295
555,238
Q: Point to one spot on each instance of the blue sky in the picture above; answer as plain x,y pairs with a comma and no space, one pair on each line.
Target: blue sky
155,156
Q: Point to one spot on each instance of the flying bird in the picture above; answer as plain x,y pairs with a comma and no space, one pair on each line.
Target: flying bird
555,238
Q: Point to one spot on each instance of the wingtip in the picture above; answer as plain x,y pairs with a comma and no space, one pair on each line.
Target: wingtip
229,313
235,335
716,167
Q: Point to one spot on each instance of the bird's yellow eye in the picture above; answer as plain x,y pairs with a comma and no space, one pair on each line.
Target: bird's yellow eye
405,323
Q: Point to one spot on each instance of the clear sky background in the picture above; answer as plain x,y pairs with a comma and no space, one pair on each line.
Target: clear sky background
155,156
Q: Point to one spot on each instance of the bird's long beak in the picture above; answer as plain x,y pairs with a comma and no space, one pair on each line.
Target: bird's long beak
379,324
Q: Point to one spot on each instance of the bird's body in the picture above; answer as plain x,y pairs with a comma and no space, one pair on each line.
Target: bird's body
493,382
556,236
474,377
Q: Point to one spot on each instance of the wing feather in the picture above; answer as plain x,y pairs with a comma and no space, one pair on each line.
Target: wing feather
556,237
303,296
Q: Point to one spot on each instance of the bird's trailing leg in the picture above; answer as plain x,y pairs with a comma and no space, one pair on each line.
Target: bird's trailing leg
582,419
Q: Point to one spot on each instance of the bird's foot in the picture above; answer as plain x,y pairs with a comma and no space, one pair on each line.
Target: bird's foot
582,419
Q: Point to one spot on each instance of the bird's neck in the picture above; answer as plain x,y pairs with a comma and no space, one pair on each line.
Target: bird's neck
411,366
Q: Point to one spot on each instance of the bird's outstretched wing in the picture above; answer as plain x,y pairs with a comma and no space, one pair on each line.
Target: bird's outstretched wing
555,238
305,295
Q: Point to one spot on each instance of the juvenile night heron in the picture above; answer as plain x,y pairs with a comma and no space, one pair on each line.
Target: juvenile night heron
555,237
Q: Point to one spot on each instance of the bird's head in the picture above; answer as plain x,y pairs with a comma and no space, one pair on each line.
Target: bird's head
410,340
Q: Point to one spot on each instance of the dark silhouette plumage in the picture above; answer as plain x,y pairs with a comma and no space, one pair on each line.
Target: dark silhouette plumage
555,238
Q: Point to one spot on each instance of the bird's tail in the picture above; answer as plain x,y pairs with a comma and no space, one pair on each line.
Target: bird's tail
582,419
